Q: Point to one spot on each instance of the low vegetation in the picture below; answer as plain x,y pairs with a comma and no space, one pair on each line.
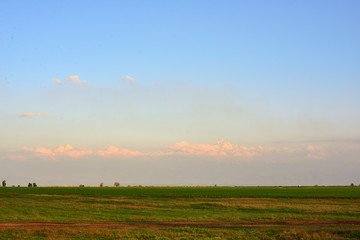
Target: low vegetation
185,233
340,192
187,205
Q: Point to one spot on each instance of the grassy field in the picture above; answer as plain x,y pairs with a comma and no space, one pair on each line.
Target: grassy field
186,233
342,192
148,205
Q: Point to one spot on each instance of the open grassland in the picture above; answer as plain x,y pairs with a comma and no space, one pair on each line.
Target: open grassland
97,208
342,192
186,233
144,213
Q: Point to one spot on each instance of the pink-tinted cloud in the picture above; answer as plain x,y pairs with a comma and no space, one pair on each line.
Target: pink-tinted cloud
315,152
129,78
66,150
20,156
44,151
220,149
115,151
57,81
30,114
76,79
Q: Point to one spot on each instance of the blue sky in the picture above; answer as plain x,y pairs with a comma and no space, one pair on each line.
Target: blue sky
277,80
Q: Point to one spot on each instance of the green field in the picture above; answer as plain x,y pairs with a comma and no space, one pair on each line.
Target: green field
341,192
154,205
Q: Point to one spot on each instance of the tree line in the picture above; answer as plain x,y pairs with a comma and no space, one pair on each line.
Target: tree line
116,184
29,185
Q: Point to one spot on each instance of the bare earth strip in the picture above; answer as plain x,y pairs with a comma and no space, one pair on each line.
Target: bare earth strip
39,225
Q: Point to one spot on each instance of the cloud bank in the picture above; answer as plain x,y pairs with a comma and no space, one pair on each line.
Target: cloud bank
66,150
221,149
185,163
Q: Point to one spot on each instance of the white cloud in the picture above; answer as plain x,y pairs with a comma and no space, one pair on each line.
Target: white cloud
76,79
129,78
57,81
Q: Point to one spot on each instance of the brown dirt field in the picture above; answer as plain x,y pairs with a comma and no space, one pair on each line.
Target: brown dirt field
41,225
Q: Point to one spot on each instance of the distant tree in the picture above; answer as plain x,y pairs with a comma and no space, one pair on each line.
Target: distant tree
30,185
116,184
18,185
34,185
81,185
4,183
101,184
351,185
